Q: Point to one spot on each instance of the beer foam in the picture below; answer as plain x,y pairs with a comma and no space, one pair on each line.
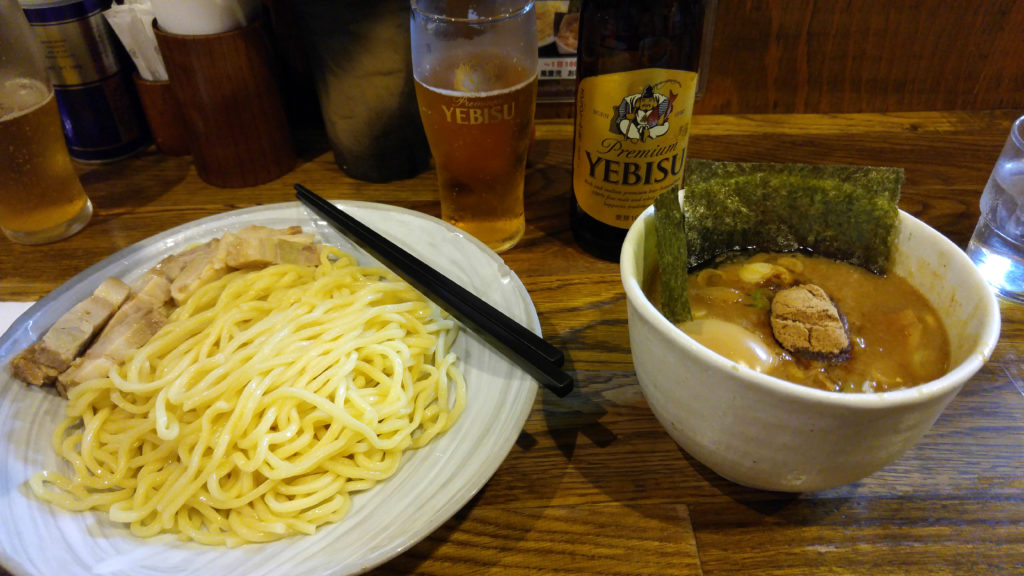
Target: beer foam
481,94
20,96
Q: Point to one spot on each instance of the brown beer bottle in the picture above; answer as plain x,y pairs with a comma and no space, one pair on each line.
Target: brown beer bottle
636,81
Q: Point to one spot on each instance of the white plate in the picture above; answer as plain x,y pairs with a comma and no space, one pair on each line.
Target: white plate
431,485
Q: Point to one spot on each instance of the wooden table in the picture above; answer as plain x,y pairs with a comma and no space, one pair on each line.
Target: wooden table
594,485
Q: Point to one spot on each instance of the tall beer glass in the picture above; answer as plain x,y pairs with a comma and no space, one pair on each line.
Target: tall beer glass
475,67
41,199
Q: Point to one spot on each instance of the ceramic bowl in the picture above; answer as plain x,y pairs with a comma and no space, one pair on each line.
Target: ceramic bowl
766,433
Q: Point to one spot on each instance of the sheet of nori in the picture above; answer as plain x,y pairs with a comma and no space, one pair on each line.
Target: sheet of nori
848,213
672,261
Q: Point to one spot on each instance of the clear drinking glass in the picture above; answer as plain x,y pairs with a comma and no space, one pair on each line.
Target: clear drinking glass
41,198
475,68
997,247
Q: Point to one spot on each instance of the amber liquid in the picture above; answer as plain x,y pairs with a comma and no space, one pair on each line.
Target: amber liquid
623,35
477,112
41,198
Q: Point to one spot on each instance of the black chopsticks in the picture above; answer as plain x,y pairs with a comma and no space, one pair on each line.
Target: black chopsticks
531,352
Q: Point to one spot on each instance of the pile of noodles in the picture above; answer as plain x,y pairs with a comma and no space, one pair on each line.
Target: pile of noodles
268,399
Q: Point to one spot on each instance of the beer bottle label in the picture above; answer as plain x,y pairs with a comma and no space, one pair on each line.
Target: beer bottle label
631,133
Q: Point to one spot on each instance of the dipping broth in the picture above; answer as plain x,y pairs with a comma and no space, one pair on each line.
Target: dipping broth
896,339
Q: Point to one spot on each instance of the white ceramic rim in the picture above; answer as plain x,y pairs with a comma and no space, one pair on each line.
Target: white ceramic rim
918,394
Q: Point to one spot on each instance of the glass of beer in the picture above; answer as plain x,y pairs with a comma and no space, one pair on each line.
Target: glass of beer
475,68
41,198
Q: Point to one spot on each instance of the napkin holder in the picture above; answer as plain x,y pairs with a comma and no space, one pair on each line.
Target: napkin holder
231,105
163,112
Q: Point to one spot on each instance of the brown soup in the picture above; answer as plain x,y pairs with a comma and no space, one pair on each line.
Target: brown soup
897,340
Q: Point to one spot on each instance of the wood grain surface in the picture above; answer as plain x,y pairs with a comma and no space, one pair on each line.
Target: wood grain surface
865,56
853,56
594,486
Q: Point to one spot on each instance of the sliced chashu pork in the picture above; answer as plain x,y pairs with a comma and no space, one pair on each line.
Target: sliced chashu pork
259,246
40,363
138,319
129,322
250,247
199,266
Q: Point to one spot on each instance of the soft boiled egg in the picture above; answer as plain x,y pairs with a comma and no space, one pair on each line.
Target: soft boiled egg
732,341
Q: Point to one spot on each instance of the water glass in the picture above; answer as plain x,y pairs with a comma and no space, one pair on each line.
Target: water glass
997,246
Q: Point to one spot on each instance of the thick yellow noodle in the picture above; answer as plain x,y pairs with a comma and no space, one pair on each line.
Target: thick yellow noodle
268,399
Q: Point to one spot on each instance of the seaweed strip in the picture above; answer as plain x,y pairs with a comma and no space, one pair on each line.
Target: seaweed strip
672,261
848,213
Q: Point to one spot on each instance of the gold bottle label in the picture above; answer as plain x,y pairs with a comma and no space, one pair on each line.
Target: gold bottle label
631,133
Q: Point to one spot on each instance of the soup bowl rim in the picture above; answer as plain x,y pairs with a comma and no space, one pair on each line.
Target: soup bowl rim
951,381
